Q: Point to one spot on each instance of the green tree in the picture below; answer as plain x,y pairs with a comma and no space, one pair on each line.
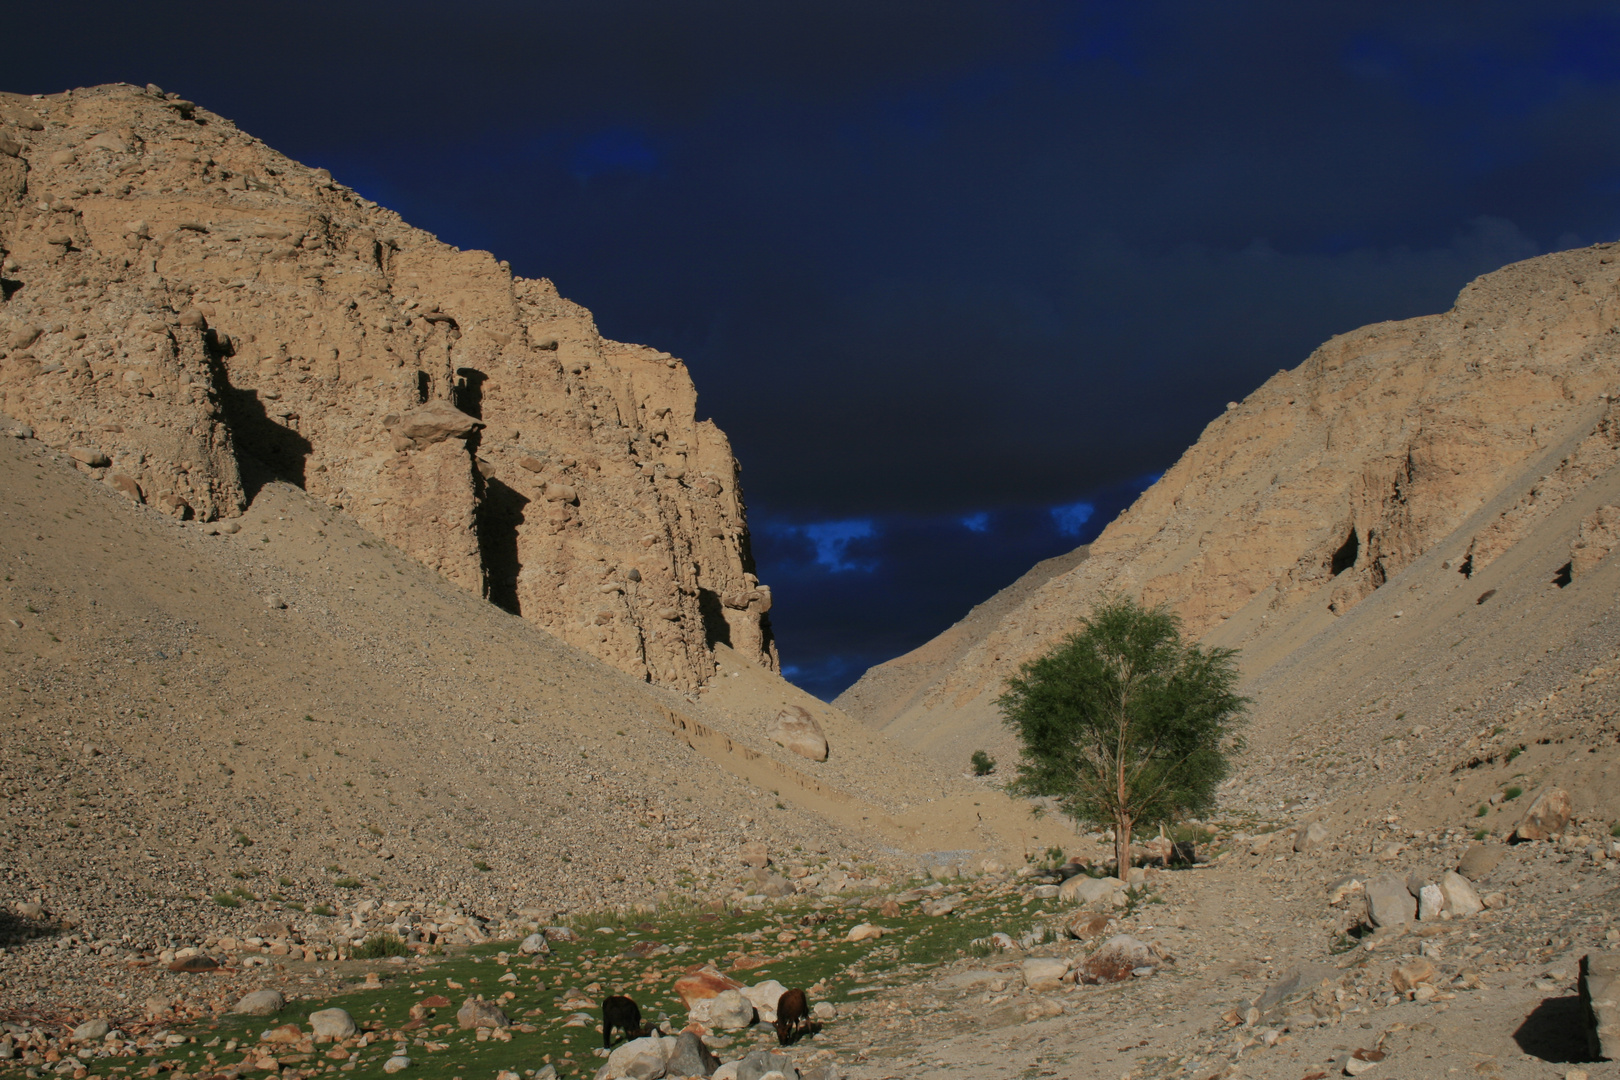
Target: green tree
1124,722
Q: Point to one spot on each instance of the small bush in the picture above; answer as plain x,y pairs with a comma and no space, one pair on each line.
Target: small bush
321,909
1513,792
347,882
480,864
284,882
983,764
1615,831
1513,753
1482,811
378,946
1480,834
225,899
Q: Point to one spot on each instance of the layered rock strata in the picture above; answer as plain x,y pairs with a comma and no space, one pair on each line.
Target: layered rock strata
192,313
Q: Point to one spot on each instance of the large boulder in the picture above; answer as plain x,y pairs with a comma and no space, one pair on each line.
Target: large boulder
91,1031
1547,817
1600,994
1389,902
639,1059
331,1024
1118,958
795,729
534,945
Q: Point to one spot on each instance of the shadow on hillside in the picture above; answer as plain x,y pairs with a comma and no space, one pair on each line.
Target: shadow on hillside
499,518
1555,1031
16,929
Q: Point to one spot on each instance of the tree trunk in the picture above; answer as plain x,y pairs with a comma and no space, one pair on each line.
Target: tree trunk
1122,847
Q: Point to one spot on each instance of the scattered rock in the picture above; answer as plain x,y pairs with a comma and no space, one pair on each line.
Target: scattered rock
1118,959
435,422
91,1031
1407,976
639,1059
197,963
1479,860
534,945
331,1024
1431,902
704,984
1088,890
1295,984
397,1063
477,1013
1085,927
798,731
757,1064
259,1003
730,1011
1548,816
1461,899
864,932
1310,836
754,853
690,1057
764,996
1389,903
1044,972
1362,1061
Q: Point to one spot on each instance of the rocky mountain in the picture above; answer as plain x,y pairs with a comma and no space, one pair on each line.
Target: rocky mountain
192,314
1457,468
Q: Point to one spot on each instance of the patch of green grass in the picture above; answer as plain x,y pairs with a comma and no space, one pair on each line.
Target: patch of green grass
378,946
480,864
1513,753
347,882
1480,834
321,909
1615,831
1513,792
1482,811
225,899
284,882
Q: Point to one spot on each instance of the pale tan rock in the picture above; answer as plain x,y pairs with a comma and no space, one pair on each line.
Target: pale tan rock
795,729
1547,815
1599,535
1409,975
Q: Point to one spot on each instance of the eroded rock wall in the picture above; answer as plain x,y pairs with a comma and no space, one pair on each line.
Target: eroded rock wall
198,313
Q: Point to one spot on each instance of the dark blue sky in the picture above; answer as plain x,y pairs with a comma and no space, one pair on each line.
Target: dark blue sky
947,272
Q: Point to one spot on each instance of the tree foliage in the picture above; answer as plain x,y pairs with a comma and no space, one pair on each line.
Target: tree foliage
983,764
1123,722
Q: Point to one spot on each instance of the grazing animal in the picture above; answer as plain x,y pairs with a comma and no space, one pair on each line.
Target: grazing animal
620,1012
792,1017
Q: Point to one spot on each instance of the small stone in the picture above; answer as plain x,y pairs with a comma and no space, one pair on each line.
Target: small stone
1389,903
690,1057
476,1013
1044,972
639,1059
1310,836
397,1063
704,984
730,1011
1479,860
1362,1061
195,963
1407,976
1085,891
1461,899
864,932
91,457
331,1024
534,945
260,1003
91,1031
1117,959
824,1010
758,1064
1431,902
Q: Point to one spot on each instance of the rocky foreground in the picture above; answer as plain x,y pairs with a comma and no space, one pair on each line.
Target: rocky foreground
1289,951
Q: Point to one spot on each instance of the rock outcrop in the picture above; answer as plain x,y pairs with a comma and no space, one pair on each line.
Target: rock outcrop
191,313
1323,485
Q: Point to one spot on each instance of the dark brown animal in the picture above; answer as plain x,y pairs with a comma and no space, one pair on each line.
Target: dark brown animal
620,1012
792,1017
